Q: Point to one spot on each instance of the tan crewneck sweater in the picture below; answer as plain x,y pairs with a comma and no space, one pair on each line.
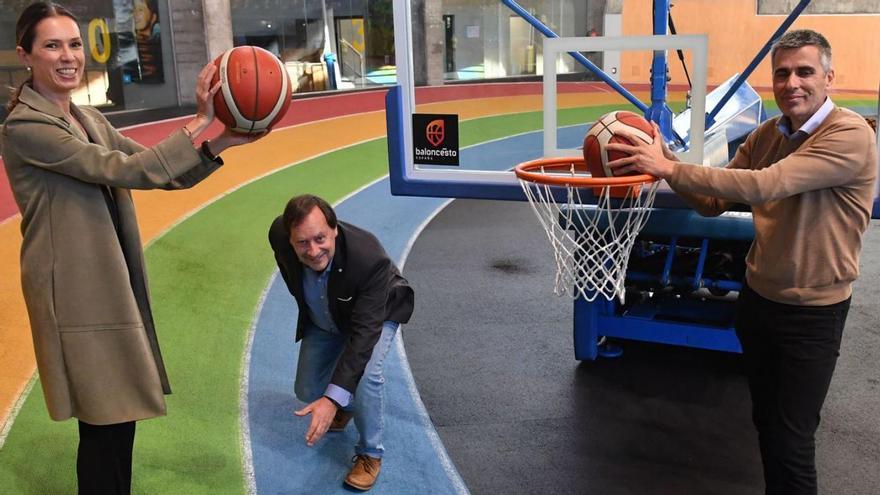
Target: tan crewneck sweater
811,201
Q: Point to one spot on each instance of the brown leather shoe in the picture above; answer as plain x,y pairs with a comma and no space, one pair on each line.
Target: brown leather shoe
364,472
340,420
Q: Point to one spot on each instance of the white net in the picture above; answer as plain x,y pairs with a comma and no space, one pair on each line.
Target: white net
591,243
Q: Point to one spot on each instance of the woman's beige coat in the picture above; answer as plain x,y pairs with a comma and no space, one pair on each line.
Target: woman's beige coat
84,284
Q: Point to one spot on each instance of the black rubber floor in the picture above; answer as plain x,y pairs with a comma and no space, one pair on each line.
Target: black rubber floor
490,347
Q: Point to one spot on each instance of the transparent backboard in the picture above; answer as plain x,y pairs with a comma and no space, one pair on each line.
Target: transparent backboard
545,115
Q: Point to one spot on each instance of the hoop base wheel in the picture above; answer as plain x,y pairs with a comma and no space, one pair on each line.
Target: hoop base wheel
609,350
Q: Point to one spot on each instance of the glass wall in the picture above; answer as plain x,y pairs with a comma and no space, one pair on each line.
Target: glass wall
457,39
128,60
484,39
353,38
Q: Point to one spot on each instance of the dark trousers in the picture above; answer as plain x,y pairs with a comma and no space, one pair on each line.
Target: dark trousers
789,354
103,461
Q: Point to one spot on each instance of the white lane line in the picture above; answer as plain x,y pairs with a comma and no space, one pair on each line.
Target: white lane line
247,454
16,407
433,437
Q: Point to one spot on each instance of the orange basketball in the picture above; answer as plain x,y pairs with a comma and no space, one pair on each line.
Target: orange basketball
255,89
604,131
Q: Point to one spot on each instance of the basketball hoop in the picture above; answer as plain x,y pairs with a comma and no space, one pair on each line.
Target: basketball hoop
591,243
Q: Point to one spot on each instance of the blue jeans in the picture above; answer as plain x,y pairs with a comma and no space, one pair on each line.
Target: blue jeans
318,353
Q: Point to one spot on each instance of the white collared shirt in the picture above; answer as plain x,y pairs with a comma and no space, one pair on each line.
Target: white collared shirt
784,124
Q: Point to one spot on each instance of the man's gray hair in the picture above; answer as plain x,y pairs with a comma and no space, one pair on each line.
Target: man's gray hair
804,37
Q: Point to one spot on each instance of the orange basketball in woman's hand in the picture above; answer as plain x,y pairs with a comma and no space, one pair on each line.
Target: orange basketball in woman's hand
255,89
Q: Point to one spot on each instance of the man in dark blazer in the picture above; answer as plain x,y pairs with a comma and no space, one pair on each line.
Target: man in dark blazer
352,299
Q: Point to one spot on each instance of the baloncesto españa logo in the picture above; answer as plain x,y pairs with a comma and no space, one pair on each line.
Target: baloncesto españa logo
435,132
435,139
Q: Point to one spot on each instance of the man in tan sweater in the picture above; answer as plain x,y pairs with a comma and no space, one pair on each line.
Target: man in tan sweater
809,176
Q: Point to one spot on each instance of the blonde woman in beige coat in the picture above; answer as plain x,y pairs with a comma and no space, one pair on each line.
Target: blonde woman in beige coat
82,264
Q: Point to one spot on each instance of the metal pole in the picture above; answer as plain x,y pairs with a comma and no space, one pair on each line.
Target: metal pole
659,111
710,119
174,51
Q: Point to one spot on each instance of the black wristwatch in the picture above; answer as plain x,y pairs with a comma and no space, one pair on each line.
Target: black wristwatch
207,152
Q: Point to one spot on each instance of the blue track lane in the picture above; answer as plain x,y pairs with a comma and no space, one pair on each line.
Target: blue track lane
415,460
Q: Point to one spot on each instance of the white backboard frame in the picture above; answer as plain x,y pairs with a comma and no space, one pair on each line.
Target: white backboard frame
697,44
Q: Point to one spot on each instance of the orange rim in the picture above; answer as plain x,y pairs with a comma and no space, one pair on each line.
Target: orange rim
527,171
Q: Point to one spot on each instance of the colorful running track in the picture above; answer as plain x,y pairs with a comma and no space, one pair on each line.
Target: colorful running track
226,322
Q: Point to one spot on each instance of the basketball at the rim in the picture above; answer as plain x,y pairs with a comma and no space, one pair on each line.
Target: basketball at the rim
605,131
579,236
255,89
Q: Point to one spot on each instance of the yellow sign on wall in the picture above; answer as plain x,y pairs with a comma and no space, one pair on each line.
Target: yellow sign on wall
98,27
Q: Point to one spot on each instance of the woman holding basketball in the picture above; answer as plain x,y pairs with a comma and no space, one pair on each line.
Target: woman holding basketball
82,266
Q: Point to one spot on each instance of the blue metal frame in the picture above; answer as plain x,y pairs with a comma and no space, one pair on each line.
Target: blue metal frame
599,318
666,318
710,118
659,111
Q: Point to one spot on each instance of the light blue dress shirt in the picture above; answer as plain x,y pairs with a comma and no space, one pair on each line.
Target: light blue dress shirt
318,310
315,295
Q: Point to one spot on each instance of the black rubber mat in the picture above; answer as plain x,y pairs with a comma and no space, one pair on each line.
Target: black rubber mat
490,347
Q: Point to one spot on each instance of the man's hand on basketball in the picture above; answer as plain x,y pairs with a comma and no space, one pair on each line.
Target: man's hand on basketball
322,411
642,157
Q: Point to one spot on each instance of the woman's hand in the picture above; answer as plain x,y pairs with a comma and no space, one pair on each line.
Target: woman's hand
229,138
205,92
205,115
204,102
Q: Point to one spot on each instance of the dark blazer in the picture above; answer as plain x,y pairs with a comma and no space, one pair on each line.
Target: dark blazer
364,290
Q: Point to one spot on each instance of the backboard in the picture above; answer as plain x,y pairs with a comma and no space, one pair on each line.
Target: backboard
543,118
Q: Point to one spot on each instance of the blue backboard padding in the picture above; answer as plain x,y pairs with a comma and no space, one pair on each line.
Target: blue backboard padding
688,223
525,147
